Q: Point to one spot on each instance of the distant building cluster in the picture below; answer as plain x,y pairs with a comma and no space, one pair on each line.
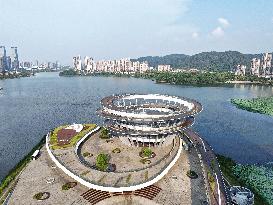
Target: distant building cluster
164,68
262,67
11,63
124,65
259,67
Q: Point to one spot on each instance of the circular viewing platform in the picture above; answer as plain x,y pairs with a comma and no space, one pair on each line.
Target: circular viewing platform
147,120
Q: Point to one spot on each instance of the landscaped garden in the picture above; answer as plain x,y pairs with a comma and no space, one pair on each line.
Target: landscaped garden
54,144
259,105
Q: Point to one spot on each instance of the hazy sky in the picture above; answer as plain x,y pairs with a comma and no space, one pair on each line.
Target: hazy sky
59,29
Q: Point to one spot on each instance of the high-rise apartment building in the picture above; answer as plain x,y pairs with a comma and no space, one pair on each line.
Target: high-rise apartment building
256,67
240,70
77,63
14,59
3,59
262,67
164,68
267,64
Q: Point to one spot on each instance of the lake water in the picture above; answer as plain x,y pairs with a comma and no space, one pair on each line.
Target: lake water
30,107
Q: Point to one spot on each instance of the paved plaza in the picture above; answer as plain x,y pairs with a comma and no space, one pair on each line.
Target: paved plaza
176,187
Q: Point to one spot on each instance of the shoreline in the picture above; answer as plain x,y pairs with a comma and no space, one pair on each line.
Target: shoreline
9,181
151,77
226,166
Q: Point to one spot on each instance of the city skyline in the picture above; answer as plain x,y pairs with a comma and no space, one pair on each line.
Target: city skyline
49,30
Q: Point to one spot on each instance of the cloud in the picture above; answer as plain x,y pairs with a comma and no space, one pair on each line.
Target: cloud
218,32
110,27
195,35
223,22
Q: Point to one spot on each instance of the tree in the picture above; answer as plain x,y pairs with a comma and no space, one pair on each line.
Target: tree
102,162
147,152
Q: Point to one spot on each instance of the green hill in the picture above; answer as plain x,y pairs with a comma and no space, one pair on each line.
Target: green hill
223,61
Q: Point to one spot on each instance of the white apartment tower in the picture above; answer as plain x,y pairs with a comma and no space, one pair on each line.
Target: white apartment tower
77,63
240,70
267,64
163,68
256,67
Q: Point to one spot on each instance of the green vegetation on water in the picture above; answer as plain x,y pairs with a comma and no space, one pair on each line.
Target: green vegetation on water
235,178
259,105
19,167
260,178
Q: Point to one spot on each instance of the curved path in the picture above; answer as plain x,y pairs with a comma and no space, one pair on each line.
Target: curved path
219,195
67,161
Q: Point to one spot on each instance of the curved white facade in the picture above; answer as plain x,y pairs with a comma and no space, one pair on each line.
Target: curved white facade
147,118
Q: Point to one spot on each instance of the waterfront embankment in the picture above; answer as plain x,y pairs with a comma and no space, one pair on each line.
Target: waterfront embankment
217,78
8,183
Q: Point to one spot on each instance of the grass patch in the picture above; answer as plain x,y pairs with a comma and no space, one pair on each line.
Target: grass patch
54,138
85,173
211,181
128,178
146,175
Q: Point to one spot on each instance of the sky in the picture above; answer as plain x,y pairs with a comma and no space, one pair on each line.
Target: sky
50,30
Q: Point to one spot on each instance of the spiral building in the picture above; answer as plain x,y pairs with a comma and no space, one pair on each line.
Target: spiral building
147,119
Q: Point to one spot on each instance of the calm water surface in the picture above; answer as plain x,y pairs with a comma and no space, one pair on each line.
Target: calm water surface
29,107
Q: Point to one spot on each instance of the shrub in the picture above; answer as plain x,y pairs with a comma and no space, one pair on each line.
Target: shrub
69,185
41,196
104,133
102,162
116,150
38,196
146,152
192,174
145,161
87,154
